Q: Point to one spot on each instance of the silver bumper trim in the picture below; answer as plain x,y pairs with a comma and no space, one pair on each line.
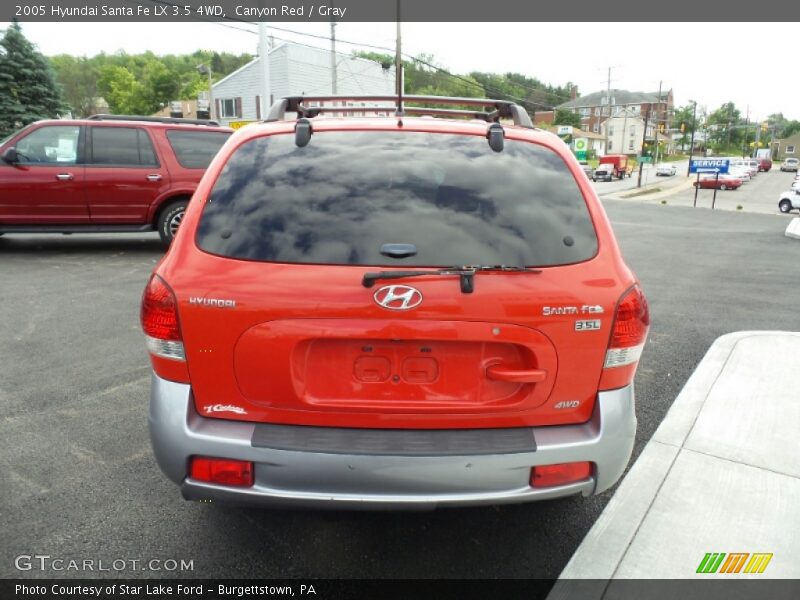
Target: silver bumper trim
311,479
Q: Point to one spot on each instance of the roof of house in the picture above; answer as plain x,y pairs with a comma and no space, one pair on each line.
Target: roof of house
619,96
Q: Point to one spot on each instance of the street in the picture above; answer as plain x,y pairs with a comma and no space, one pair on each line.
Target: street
649,180
74,382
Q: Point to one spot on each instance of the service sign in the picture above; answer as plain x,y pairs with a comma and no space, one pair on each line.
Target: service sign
709,165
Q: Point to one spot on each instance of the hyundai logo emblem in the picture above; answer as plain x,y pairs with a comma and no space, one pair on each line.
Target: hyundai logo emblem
398,297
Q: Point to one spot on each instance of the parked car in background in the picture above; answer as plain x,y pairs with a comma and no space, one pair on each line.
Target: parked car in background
789,201
740,173
365,318
789,164
587,168
666,169
724,182
764,163
104,174
746,164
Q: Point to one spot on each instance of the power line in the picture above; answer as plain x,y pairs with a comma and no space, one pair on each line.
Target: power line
474,84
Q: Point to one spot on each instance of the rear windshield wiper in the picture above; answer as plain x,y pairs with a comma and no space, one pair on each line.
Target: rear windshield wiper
465,272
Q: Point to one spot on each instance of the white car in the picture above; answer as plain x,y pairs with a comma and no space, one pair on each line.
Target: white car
744,164
789,200
740,173
790,164
667,169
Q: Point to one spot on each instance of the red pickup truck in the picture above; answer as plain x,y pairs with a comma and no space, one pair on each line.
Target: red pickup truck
104,174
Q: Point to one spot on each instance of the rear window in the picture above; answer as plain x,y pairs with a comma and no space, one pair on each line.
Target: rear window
339,199
196,149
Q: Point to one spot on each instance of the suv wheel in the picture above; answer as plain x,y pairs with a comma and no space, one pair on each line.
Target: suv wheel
169,219
784,206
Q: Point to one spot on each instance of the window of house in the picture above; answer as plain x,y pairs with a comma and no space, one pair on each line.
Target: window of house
789,149
585,112
630,145
595,128
633,131
610,145
610,130
597,111
227,108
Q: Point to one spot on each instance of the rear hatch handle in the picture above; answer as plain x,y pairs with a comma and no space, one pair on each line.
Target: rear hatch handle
501,373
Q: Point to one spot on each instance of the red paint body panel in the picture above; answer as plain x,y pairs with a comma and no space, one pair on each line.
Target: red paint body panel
308,344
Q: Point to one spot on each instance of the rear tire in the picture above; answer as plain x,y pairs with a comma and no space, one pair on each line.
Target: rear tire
169,219
723,187
784,206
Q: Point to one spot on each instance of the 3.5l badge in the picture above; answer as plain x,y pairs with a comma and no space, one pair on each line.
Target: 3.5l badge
592,325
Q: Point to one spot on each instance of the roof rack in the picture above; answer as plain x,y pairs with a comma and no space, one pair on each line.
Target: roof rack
175,120
499,109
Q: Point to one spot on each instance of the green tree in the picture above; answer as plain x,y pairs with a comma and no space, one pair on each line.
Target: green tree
28,90
124,94
78,80
566,117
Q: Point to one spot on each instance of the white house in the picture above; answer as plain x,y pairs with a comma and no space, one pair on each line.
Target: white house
625,132
297,70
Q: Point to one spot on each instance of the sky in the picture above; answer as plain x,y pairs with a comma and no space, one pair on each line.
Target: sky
698,61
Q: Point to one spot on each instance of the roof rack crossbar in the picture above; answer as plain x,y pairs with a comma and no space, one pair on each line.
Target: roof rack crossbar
500,108
176,120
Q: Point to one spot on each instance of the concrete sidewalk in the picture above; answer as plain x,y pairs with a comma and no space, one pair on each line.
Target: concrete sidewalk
720,475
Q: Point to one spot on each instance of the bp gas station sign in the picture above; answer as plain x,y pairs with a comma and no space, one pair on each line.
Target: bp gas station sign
581,147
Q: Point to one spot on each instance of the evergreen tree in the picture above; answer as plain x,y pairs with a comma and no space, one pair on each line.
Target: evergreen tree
28,91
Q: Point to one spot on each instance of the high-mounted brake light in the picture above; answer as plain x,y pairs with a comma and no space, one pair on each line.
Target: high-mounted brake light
159,318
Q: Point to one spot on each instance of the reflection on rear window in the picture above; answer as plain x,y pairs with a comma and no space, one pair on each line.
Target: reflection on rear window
339,199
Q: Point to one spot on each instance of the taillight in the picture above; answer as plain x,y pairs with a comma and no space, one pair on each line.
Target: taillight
629,333
159,318
562,474
223,471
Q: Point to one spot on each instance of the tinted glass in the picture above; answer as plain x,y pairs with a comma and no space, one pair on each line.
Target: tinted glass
339,199
196,149
122,146
56,144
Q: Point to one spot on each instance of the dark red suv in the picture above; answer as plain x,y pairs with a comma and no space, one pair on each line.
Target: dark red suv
104,174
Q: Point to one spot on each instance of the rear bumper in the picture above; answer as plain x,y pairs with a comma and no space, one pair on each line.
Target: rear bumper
391,481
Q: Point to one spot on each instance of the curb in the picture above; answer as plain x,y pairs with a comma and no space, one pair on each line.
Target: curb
610,540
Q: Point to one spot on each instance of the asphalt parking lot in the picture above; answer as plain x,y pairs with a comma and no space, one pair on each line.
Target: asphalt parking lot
78,480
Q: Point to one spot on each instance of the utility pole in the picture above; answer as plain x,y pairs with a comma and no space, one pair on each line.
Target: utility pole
333,58
263,54
641,154
746,128
608,105
398,67
658,120
691,143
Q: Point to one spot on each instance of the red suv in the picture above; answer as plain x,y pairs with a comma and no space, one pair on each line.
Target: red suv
396,311
104,174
